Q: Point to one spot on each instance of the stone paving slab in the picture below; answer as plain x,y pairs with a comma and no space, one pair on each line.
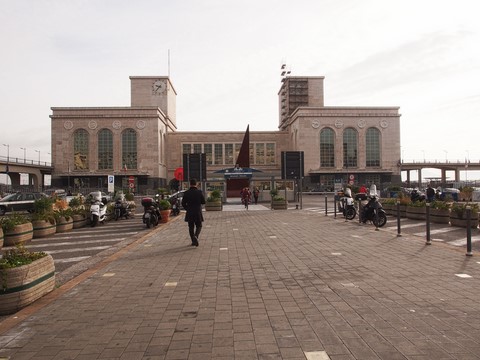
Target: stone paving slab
264,285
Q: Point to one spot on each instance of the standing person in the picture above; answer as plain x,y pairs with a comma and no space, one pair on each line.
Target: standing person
255,194
192,202
430,194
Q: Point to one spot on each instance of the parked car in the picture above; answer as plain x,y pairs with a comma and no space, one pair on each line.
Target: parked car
19,202
105,197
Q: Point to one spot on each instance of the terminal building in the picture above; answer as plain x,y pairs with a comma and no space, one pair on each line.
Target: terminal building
141,146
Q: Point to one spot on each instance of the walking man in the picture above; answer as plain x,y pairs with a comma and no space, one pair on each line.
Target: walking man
192,202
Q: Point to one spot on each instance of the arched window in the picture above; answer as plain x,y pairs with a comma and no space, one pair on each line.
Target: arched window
327,148
350,148
105,150
129,149
372,147
80,150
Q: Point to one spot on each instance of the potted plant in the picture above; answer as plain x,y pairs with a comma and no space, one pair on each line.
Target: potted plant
17,229
440,212
458,214
24,277
164,206
64,219
79,213
214,201
278,202
417,210
43,221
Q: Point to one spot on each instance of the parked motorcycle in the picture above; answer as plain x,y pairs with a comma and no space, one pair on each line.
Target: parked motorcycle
416,195
98,209
373,212
175,203
151,212
121,209
346,205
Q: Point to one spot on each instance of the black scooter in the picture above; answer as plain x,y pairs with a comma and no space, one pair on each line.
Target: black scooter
373,212
121,209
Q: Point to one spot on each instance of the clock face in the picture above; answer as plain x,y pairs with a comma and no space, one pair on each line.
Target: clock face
159,87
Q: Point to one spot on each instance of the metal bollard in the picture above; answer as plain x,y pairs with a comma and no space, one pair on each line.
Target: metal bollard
399,229
334,207
360,211
344,209
326,205
376,217
427,221
469,230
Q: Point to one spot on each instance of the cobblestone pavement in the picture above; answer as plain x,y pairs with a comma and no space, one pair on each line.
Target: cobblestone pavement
262,285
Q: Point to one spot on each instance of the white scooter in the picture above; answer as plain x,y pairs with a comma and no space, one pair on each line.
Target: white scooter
98,209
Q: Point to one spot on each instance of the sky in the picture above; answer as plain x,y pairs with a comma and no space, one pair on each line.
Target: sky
224,57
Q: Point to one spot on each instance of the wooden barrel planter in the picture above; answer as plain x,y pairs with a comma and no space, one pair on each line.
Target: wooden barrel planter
279,205
18,235
165,214
213,206
42,228
79,221
64,225
461,221
390,209
23,285
440,216
416,213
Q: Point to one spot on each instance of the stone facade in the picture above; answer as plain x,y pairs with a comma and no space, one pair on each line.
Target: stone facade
159,146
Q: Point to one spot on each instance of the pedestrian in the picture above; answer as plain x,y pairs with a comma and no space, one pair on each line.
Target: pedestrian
430,193
255,194
192,202
246,196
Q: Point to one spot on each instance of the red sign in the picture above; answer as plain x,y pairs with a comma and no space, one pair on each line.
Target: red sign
131,179
178,174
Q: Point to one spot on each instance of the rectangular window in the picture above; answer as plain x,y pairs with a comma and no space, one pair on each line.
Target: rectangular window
229,154
197,148
260,153
186,149
219,154
207,148
270,158
251,153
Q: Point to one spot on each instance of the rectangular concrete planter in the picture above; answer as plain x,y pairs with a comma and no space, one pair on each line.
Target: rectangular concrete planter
279,205
213,206
23,285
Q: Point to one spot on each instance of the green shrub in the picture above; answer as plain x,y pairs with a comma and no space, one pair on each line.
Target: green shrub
460,209
164,204
19,256
9,222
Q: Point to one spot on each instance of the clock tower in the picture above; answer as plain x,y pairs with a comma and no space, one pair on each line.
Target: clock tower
155,91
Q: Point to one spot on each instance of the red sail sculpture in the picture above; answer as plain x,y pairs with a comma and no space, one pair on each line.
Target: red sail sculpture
243,159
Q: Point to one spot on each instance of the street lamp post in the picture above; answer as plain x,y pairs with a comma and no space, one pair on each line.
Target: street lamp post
8,160
24,154
8,152
38,156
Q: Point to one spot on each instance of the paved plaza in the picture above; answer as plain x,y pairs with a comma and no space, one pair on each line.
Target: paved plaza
262,284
